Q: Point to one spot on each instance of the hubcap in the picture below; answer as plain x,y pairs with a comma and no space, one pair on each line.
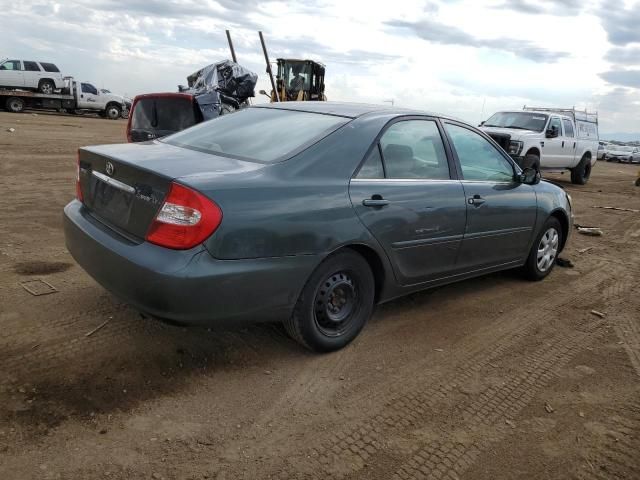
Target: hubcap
15,106
113,113
335,304
47,88
547,249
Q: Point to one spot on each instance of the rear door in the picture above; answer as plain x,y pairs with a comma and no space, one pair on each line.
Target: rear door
501,212
11,74
32,74
569,143
409,198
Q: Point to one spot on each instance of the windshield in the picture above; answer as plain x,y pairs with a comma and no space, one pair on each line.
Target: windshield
163,114
258,134
518,120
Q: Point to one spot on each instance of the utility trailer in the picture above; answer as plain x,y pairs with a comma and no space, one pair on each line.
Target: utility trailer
75,97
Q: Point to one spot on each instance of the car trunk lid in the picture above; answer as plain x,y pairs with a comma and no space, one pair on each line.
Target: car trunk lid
124,186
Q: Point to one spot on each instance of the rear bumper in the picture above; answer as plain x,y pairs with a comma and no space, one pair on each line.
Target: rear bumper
189,286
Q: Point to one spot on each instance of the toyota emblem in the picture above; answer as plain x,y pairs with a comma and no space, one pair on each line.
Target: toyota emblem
109,168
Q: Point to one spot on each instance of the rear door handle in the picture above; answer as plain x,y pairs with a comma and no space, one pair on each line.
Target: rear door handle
563,144
375,201
476,200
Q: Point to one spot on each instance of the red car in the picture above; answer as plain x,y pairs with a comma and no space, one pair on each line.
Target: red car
155,115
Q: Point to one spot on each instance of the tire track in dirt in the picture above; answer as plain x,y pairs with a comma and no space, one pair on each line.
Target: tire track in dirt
353,447
485,418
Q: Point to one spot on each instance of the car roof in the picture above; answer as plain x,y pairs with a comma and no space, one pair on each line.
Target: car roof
346,109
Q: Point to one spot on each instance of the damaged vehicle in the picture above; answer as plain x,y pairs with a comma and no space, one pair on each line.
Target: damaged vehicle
231,221
212,91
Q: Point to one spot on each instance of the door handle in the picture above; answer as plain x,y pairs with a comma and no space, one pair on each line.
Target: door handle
562,143
476,200
375,201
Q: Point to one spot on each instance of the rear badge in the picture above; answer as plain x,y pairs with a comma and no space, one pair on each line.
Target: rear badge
109,168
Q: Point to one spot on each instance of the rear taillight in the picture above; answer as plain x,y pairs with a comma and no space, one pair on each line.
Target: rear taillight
79,195
186,219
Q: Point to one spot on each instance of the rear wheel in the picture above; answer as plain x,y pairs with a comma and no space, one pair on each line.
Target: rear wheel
581,173
113,112
335,303
544,251
46,86
15,104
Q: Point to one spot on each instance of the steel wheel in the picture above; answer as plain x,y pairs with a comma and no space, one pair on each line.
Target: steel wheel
335,303
547,249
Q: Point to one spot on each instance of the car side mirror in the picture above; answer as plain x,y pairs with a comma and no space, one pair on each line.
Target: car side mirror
530,176
481,123
552,132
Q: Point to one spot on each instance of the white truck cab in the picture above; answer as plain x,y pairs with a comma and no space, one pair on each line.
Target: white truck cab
548,139
90,98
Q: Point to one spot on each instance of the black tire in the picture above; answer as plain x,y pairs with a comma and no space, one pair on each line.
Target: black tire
317,322
532,268
113,111
531,160
606,159
46,86
581,173
15,104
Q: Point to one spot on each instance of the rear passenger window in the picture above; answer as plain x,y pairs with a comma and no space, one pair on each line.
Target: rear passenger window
49,67
31,67
413,149
372,167
568,127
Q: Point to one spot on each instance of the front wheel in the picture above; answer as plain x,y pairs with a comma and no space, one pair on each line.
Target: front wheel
580,174
531,160
113,112
544,251
15,104
335,303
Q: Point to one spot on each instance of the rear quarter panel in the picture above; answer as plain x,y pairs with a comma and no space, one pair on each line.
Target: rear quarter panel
297,207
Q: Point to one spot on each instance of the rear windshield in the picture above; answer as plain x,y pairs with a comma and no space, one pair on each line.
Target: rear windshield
258,134
518,120
163,113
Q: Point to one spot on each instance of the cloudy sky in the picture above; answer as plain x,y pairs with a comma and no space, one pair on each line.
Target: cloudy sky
467,58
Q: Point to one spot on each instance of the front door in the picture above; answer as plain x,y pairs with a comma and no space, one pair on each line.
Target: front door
88,96
11,74
501,212
553,153
407,198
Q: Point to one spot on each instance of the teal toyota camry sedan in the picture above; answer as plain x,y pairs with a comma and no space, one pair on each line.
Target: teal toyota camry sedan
307,213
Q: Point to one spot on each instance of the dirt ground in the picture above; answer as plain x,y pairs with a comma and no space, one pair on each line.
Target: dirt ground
493,378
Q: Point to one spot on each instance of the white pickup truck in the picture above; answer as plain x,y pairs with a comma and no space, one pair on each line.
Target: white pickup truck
75,97
551,139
